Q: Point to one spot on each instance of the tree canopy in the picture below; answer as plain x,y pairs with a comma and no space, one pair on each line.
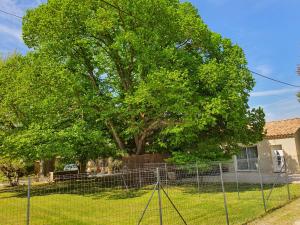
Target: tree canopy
147,75
43,114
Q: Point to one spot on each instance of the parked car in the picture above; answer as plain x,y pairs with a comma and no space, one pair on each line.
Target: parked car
71,167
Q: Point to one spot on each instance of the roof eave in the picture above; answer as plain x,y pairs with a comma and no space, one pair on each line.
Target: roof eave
282,136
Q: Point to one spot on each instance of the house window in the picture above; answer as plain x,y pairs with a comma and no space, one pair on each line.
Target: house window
247,159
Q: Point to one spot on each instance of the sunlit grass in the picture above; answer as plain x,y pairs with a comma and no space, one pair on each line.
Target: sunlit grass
83,205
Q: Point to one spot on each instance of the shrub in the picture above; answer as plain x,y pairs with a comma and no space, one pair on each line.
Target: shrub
12,169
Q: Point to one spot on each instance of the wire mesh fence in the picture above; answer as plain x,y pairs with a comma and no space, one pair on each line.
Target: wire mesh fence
210,193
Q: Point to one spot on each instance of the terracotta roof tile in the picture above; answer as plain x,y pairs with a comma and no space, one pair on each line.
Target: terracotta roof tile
282,128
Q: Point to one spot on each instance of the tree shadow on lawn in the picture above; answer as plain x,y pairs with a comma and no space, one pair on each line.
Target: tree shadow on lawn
94,190
245,189
100,190
117,195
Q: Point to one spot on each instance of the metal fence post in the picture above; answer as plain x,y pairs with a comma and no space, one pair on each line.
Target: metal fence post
261,186
224,194
159,196
28,202
287,179
140,177
166,171
198,180
236,177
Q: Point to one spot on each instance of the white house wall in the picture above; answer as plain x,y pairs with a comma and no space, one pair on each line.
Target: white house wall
297,140
289,147
265,156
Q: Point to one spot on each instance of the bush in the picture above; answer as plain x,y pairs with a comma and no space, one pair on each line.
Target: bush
12,169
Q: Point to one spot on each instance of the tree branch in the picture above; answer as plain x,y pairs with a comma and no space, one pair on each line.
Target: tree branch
116,136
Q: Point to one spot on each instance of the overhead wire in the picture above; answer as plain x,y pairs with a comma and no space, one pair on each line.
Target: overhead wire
275,80
105,2
253,72
125,12
11,14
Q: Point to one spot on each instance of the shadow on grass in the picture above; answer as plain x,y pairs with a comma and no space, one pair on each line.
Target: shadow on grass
120,190
215,188
94,190
123,195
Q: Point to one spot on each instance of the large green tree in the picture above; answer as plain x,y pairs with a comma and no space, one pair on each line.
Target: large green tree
159,77
43,112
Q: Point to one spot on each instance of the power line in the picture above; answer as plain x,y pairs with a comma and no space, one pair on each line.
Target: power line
107,3
275,80
117,8
11,14
282,82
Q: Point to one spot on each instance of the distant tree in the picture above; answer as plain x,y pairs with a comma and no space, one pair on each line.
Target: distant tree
12,169
158,77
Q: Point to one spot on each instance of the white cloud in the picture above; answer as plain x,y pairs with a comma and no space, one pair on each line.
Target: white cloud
282,109
17,7
12,32
11,6
274,92
10,26
264,69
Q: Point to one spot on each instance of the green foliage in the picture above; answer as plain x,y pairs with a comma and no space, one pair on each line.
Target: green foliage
43,112
201,153
100,79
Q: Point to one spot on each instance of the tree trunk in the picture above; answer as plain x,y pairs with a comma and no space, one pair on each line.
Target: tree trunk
41,172
140,145
48,166
116,137
82,166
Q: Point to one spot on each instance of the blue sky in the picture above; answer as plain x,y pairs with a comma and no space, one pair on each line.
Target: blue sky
267,30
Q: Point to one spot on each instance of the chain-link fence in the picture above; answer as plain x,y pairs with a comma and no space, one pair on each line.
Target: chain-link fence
210,193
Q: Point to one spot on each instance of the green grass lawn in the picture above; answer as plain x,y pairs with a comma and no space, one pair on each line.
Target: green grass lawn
88,204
